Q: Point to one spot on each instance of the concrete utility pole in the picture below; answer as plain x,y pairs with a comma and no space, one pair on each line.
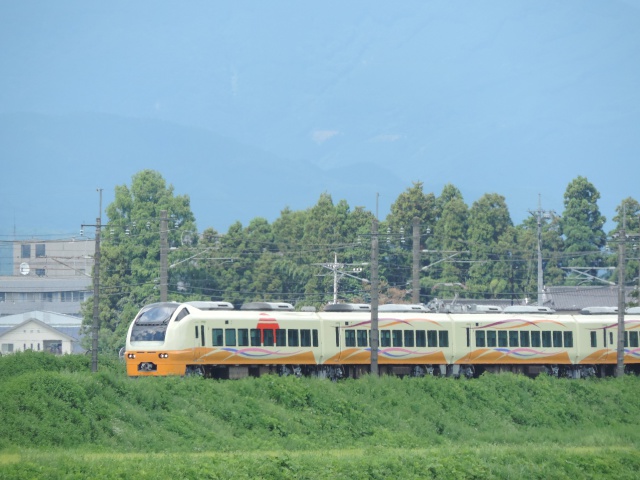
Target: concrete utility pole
95,328
622,237
374,298
539,214
415,289
96,301
336,267
164,248
621,302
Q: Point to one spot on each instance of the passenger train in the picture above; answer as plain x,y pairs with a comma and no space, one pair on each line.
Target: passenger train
215,340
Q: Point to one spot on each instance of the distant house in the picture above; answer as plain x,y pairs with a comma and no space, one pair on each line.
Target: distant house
40,331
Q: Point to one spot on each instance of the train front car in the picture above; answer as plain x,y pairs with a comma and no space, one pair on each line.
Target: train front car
151,350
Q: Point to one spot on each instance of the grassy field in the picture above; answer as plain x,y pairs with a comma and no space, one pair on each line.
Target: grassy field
58,420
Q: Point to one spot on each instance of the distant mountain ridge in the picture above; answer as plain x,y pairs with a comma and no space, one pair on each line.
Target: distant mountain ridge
60,161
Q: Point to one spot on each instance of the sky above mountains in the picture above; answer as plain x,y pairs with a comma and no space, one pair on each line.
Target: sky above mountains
288,100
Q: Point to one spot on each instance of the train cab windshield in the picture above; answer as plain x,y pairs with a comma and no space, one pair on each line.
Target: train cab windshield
151,323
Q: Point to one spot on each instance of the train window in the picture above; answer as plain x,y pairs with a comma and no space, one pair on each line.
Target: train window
633,339
362,338
408,338
268,337
230,337
243,337
524,339
480,338
443,338
513,339
315,337
281,337
491,338
397,338
535,339
305,338
216,337
594,339
182,314
557,339
432,338
610,338
546,339
255,337
502,338
349,338
626,339
568,339
292,334
385,338
421,338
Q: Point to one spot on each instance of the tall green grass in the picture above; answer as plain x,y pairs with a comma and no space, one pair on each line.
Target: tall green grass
56,405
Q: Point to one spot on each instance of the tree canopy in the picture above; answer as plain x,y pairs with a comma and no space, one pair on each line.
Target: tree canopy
474,252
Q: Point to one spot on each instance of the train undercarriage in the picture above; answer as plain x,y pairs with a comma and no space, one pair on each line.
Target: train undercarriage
338,372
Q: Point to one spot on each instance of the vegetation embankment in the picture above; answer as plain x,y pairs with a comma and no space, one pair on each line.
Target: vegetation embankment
58,419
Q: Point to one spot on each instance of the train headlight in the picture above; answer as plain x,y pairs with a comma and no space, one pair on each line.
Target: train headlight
163,355
131,355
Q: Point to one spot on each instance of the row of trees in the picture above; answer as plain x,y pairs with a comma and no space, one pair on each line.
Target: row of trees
476,251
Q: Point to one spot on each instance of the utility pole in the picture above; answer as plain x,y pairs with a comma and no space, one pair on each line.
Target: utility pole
96,301
374,298
164,275
96,292
336,267
622,237
621,300
539,214
415,291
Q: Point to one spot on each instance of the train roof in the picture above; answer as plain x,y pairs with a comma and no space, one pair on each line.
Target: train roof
347,307
528,309
270,306
393,307
202,305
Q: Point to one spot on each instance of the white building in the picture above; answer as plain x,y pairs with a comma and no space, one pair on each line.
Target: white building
40,331
51,275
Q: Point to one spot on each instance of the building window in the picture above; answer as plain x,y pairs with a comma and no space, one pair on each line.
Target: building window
40,250
52,346
2,296
66,296
25,251
7,348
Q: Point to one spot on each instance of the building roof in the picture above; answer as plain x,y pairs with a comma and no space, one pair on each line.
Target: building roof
41,324
53,319
577,298
45,284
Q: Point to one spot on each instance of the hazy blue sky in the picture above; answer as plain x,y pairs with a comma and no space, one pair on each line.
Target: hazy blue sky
512,97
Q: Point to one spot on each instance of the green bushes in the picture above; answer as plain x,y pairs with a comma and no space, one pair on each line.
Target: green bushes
50,402
60,420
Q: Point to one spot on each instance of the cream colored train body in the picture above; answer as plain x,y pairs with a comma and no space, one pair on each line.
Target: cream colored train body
214,340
